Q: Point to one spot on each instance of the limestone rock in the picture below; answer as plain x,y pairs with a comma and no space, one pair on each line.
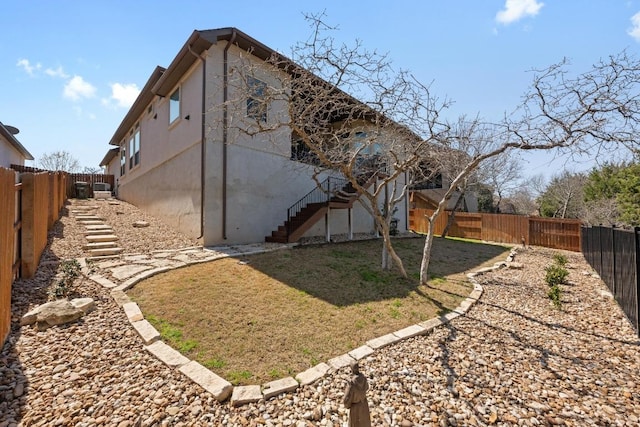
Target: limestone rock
57,312
140,224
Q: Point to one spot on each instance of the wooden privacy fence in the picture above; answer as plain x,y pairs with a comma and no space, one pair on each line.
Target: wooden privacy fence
30,204
615,254
72,178
548,232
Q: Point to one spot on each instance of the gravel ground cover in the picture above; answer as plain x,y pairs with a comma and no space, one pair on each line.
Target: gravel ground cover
513,359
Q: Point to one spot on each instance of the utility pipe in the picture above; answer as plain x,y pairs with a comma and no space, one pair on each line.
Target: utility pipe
203,146
225,130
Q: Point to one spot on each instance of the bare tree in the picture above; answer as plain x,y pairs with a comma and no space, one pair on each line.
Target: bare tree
588,113
502,174
354,115
59,161
349,114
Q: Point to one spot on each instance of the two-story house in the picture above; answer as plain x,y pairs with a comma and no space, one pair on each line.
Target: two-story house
179,158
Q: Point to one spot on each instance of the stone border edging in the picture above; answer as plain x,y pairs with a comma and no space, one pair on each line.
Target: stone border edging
222,389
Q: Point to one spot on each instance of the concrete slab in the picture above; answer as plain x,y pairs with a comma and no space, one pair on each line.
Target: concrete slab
132,311
245,394
361,352
101,280
382,341
101,252
431,323
341,361
167,355
218,387
125,271
98,232
277,387
147,332
101,238
97,227
99,245
410,331
313,374
85,218
120,297
92,222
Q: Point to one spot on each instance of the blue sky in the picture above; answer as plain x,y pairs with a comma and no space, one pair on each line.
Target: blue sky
70,69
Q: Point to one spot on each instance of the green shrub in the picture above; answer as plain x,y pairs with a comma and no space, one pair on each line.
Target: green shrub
70,271
554,294
555,275
560,259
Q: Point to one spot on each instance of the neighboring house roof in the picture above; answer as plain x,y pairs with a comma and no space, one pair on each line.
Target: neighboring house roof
111,154
4,132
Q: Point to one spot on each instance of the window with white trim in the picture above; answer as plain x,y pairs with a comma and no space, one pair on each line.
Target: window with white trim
256,103
123,158
174,106
134,146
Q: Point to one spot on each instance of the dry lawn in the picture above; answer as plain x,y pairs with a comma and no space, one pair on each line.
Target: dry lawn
267,316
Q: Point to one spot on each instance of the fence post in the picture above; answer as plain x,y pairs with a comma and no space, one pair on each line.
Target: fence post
613,261
636,239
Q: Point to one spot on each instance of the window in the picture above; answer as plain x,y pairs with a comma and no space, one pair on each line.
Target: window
134,147
123,158
256,105
174,106
300,151
370,149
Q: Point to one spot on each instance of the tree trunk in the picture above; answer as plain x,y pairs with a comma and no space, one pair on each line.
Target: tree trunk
452,216
389,255
426,252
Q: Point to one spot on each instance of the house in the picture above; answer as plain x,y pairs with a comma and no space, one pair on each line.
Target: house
12,152
178,156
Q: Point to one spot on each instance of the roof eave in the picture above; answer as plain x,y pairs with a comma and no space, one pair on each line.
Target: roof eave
144,98
15,143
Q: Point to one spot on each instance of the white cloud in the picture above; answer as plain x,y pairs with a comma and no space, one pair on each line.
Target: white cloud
77,88
58,72
634,31
123,94
514,10
28,68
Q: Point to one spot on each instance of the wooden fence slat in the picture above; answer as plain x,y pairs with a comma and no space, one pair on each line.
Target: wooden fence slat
7,247
501,228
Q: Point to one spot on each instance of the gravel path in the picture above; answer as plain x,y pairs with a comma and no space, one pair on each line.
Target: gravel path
511,360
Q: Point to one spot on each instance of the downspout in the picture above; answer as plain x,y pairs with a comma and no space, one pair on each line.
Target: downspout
225,130
203,146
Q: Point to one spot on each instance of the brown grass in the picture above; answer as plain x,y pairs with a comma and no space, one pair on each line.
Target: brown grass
267,316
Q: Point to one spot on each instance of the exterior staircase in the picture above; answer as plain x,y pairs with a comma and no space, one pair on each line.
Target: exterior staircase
101,240
333,193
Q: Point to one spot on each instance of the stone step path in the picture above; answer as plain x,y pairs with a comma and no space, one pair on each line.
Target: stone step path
101,239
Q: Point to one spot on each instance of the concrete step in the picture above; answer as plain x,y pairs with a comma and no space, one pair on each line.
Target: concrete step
104,252
86,218
98,232
101,226
102,257
92,222
99,245
101,238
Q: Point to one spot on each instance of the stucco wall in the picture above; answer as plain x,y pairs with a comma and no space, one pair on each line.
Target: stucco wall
9,155
170,192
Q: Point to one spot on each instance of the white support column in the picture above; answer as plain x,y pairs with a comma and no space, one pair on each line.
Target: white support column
326,225
350,224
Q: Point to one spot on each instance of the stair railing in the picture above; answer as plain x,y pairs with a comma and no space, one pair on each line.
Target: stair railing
320,194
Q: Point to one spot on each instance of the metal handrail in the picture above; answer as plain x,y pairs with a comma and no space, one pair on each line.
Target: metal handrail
320,194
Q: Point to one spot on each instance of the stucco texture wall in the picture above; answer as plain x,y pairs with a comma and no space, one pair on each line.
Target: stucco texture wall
170,192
